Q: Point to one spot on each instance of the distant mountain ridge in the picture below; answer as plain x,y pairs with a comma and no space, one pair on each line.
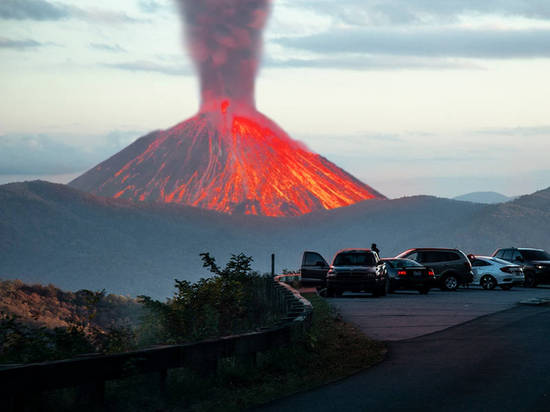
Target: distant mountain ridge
54,233
484,197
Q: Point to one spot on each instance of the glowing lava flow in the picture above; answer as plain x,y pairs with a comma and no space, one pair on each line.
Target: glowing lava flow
229,157
237,164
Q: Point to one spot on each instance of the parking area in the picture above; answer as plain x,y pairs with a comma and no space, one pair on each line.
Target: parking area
405,315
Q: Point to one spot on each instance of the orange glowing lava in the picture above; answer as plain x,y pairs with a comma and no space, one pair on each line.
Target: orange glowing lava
230,163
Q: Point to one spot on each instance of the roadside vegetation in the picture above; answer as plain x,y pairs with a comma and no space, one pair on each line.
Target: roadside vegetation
43,323
330,350
40,323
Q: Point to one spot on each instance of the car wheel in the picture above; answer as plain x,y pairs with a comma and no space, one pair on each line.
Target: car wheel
505,287
450,282
488,282
530,281
382,290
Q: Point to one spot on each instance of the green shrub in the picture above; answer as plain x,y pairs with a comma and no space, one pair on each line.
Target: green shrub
232,300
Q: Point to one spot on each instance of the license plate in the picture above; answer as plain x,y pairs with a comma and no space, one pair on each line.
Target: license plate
417,273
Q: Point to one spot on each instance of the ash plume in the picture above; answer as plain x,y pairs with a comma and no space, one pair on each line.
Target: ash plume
225,40
228,157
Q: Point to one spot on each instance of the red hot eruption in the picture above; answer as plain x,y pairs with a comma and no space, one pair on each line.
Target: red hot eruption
229,157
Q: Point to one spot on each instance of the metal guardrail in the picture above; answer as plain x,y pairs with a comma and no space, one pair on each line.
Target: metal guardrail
20,384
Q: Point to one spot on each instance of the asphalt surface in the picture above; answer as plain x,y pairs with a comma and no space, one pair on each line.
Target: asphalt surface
499,362
406,315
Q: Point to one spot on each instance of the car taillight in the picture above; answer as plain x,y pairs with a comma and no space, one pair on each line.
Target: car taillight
431,273
402,273
506,269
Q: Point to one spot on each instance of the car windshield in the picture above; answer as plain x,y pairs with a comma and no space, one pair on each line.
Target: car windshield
355,259
402,263
535,255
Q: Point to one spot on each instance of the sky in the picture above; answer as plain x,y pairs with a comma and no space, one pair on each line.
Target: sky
411,96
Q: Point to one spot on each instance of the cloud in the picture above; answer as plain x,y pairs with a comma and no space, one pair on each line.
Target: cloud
362,62
382,12
150,6
43,10
451,42
97,15
152,67
31,10
114,48
6,43
535,131
26,154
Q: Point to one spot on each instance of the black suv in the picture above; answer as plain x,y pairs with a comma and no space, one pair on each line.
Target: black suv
451,266
535,263
357,270
352,270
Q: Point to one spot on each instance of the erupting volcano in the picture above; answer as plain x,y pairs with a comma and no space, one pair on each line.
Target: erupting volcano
229,157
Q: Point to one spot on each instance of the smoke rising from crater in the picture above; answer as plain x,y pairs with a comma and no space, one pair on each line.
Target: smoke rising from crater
225,40
229,157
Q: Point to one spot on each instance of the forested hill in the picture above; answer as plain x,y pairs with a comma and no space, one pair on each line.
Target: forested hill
51,233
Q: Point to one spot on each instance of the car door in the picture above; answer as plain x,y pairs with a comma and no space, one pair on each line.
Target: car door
314,267
455,262
478,267
431,259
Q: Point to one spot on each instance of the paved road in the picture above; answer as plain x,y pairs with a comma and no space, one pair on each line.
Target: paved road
499,362
405,315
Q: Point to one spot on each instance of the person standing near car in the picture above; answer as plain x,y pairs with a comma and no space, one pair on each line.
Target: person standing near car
374,248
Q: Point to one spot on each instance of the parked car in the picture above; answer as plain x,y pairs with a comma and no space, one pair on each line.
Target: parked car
357,270
408,274
490,272
451,266
314,268
534,262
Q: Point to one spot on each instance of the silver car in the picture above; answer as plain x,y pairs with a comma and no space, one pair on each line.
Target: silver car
490,272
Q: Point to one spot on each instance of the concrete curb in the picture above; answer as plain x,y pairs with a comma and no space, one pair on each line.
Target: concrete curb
535,301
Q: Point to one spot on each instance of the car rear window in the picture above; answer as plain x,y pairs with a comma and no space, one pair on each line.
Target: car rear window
434,256
535,255
403,263
479,262
501,261
355,259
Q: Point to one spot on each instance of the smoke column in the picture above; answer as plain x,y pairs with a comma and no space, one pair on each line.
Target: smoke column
228,157
225,40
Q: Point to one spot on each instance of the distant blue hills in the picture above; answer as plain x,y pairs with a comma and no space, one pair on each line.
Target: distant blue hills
52,233
484,197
